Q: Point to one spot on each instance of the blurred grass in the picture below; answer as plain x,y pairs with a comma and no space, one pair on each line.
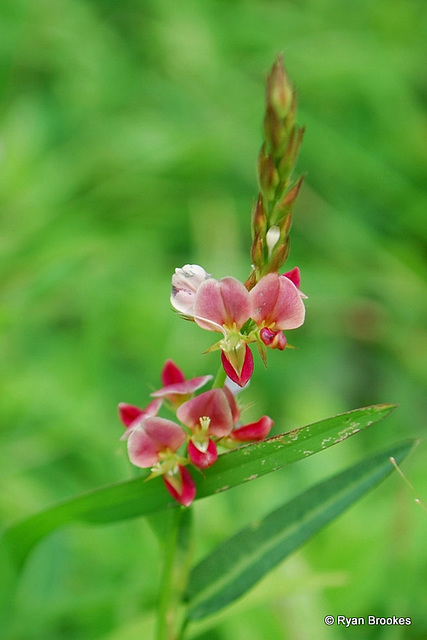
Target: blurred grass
129,136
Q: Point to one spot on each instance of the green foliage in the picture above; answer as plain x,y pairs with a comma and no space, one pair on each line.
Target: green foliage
129,138
138,498
236,565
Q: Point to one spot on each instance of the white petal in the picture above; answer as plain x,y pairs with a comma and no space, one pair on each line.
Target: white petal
185,283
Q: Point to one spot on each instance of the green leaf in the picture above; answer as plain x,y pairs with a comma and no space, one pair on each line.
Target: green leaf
259,458
138,498
242,560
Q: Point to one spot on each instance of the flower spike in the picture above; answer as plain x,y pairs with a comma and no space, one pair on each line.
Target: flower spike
256,312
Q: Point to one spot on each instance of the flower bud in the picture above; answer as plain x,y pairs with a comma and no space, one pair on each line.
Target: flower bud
279,90
273,339
272,238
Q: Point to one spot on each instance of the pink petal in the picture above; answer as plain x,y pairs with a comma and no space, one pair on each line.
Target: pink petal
203,459
236,301
294,276
143,450
185,283
171,373
253,431
181,488
212,404
247,369
209,312
152,436
167,433
128,413
276,303
221,303
182,388
132,416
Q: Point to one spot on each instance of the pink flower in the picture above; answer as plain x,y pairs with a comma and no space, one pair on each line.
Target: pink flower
176,388
212,404
153,440
207,415
154,443
276,305
221,304
224,306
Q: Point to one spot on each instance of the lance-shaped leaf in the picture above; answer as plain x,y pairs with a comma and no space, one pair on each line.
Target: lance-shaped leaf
242,560
138,498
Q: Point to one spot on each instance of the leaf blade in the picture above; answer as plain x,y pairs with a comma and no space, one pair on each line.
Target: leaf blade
242,560
135,498
259,458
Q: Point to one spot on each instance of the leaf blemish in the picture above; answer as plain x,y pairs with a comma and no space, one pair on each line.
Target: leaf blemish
222,489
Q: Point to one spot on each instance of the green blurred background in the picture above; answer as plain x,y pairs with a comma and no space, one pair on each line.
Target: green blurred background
129,137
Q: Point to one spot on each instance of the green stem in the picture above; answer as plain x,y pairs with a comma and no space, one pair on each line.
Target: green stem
178,549
220,378
167,603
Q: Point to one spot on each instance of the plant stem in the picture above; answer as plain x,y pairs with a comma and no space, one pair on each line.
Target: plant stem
177,550
220,378
167,602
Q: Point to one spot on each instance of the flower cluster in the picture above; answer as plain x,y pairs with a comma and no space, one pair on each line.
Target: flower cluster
256,312
260,315
206,422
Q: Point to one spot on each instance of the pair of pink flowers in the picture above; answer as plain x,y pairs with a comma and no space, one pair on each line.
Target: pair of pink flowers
208,420
243,317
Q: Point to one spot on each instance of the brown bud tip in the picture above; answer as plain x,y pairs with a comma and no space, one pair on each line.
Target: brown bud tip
259,217
280,93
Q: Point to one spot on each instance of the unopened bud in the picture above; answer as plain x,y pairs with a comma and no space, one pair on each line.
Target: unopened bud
279,257
273,129
267,173
279,89
259,217
272,238
273,339
257,252
285,205
290,153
